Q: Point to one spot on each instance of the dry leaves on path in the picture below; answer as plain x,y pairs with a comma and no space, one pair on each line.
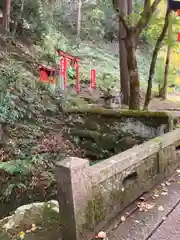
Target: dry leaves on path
161,209
145,206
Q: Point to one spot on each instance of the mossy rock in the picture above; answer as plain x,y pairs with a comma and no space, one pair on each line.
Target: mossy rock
44,215
117,113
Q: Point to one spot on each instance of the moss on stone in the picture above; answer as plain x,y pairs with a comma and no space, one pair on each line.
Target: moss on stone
117,113
50,217
101,132
157,139
94,212
89,216
162,161
115,196
99,209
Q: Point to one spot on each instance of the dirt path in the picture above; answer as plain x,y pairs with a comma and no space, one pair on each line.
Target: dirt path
172,105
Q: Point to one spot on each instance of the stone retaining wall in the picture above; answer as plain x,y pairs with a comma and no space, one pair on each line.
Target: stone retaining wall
102,133
90,196
143,123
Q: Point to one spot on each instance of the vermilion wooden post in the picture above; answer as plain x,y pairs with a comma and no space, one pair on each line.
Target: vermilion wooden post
63,74
78,89
178,38
93,79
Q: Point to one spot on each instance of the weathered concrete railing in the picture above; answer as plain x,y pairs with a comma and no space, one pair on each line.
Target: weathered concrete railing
90,196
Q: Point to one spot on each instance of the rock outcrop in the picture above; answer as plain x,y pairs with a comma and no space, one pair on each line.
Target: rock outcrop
36,221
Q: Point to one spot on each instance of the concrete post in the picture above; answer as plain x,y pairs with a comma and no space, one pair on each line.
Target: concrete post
75,199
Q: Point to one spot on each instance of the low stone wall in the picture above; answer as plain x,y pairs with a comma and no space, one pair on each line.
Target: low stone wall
90,196
102,133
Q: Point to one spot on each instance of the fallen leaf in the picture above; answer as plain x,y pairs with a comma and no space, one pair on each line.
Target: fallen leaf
123,218
164,193
168,183
163,184
142,198
101,235
136,221
149,206
115,226
21,235
161,208
171,180
144,207
33,228
156,195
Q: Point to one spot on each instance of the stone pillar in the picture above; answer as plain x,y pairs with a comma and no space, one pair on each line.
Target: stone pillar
75,199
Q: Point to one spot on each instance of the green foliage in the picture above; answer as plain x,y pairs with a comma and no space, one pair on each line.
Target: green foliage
22,166
159,73
12,77
11,187
71,99
9,112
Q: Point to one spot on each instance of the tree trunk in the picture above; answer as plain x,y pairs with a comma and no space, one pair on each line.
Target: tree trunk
18,18
166,71
129,7
134,84
132,34
163,92
79,18
154,58
6,15
124,76
134,102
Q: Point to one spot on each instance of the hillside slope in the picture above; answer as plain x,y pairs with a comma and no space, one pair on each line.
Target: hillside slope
32,120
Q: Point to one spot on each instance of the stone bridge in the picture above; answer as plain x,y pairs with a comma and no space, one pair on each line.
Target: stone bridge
92,196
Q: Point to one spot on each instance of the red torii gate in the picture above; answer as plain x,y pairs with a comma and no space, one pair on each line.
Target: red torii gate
49,75
74,62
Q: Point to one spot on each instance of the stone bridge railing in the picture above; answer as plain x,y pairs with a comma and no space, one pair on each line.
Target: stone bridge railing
90,196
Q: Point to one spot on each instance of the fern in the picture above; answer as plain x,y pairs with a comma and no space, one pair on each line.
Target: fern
22,166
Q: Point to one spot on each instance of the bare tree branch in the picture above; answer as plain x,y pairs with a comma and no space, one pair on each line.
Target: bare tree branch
145,15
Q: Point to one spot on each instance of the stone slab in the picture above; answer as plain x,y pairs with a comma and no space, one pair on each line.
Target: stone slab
170,228
141,225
